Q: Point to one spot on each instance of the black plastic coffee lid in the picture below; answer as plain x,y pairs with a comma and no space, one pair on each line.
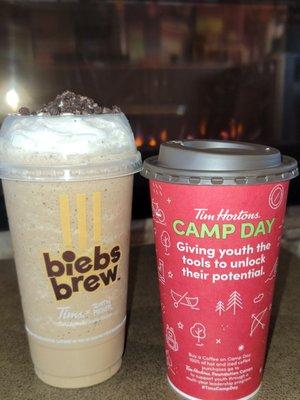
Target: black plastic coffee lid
215,162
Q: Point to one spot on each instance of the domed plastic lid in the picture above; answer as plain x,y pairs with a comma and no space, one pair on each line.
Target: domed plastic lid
67,147
216,162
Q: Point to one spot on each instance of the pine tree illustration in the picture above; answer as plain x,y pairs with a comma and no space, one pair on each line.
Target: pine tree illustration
220,308
234,302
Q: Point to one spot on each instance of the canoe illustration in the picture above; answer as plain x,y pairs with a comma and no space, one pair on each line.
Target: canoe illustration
184,300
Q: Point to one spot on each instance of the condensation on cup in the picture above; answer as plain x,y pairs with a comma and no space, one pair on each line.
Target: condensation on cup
218,211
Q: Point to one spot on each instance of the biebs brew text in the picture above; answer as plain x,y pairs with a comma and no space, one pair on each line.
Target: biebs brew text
78,271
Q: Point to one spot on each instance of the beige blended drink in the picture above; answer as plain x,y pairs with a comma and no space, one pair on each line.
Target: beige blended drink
68,187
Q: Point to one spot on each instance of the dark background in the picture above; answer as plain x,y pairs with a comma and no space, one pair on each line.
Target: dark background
215,69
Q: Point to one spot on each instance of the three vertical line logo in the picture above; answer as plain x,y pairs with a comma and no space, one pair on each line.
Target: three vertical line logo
81,219
82,266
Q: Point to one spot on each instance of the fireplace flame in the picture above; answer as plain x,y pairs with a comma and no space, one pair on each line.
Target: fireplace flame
164,135
202,128
139,141
224,135
152,142
240,129
234,131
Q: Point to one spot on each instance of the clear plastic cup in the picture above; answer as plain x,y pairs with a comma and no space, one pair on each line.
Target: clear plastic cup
68,188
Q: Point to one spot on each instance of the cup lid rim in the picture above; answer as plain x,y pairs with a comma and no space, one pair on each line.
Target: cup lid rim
218,162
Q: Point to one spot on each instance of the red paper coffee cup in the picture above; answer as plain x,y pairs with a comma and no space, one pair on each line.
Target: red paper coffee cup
218,211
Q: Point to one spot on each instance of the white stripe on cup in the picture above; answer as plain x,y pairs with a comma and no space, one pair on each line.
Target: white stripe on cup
79,340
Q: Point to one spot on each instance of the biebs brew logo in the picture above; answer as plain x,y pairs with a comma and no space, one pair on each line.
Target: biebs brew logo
70,266
70,273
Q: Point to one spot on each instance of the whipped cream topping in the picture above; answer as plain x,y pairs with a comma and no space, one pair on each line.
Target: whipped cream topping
68,139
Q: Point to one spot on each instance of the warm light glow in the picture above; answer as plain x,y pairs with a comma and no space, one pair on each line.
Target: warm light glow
240,129
139,141
12,99
233,129
202,128
152,142
164,135
224,135
234,132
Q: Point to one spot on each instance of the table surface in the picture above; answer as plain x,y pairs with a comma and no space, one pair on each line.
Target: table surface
142,375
